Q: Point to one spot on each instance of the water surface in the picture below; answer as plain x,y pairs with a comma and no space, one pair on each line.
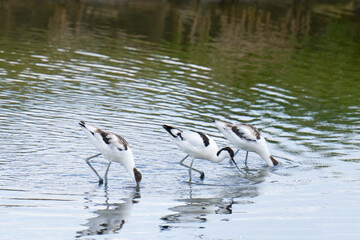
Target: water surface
289,68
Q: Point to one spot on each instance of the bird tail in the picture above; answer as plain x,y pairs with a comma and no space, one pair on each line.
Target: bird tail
172,131
87,127
82,124
218,124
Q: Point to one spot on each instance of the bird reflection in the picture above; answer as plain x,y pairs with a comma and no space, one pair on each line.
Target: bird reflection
111,219
197,209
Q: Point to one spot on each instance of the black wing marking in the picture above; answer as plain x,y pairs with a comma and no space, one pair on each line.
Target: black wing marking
253,136
122,141
105,136
114,140
204,138
170,129
175,132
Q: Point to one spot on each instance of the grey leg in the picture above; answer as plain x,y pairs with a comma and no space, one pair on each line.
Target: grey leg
106,173
247,153
87,160
236,152
182,160
191,168
202,175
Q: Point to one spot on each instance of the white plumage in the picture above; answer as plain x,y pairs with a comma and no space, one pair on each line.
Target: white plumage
248,138
199,146
114,148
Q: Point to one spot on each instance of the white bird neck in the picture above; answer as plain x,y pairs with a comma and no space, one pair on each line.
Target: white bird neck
266,156
129,163
129,166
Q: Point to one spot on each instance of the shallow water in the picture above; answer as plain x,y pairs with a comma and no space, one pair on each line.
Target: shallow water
290,69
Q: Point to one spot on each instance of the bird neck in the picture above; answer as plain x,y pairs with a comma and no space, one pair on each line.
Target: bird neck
129,166
269,159
222,154
218,159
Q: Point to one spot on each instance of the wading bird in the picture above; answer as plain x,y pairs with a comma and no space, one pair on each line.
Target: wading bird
248,138
114,148
198,146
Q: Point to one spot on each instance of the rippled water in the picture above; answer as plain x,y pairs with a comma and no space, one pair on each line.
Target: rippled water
291,69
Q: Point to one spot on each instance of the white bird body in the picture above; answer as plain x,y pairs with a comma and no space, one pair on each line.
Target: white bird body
199,146
196,144
248,138
114,148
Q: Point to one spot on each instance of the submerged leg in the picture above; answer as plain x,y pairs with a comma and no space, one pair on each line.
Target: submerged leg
106,173
247,153
87,160
202,175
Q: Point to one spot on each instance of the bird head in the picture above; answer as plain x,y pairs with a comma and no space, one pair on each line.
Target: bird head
138,177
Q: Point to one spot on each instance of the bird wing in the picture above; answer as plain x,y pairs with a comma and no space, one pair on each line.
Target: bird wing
192,142
112,139
246,132
195,139
103,138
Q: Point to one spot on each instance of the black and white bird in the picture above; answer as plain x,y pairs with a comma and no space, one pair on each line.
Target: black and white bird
114,148
248,138
198,146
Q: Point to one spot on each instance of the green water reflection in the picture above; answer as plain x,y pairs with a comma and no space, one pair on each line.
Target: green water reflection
309,47
290,60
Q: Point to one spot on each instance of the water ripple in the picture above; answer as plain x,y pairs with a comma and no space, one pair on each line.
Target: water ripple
302,95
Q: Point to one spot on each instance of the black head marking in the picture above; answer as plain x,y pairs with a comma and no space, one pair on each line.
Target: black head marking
274,161
138,176
204,138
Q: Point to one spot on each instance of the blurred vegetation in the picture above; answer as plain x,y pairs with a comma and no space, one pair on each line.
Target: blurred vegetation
229,37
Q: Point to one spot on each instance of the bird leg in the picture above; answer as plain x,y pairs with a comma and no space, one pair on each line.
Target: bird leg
202,175
190,169
236,152
87,160
247,153
106,173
